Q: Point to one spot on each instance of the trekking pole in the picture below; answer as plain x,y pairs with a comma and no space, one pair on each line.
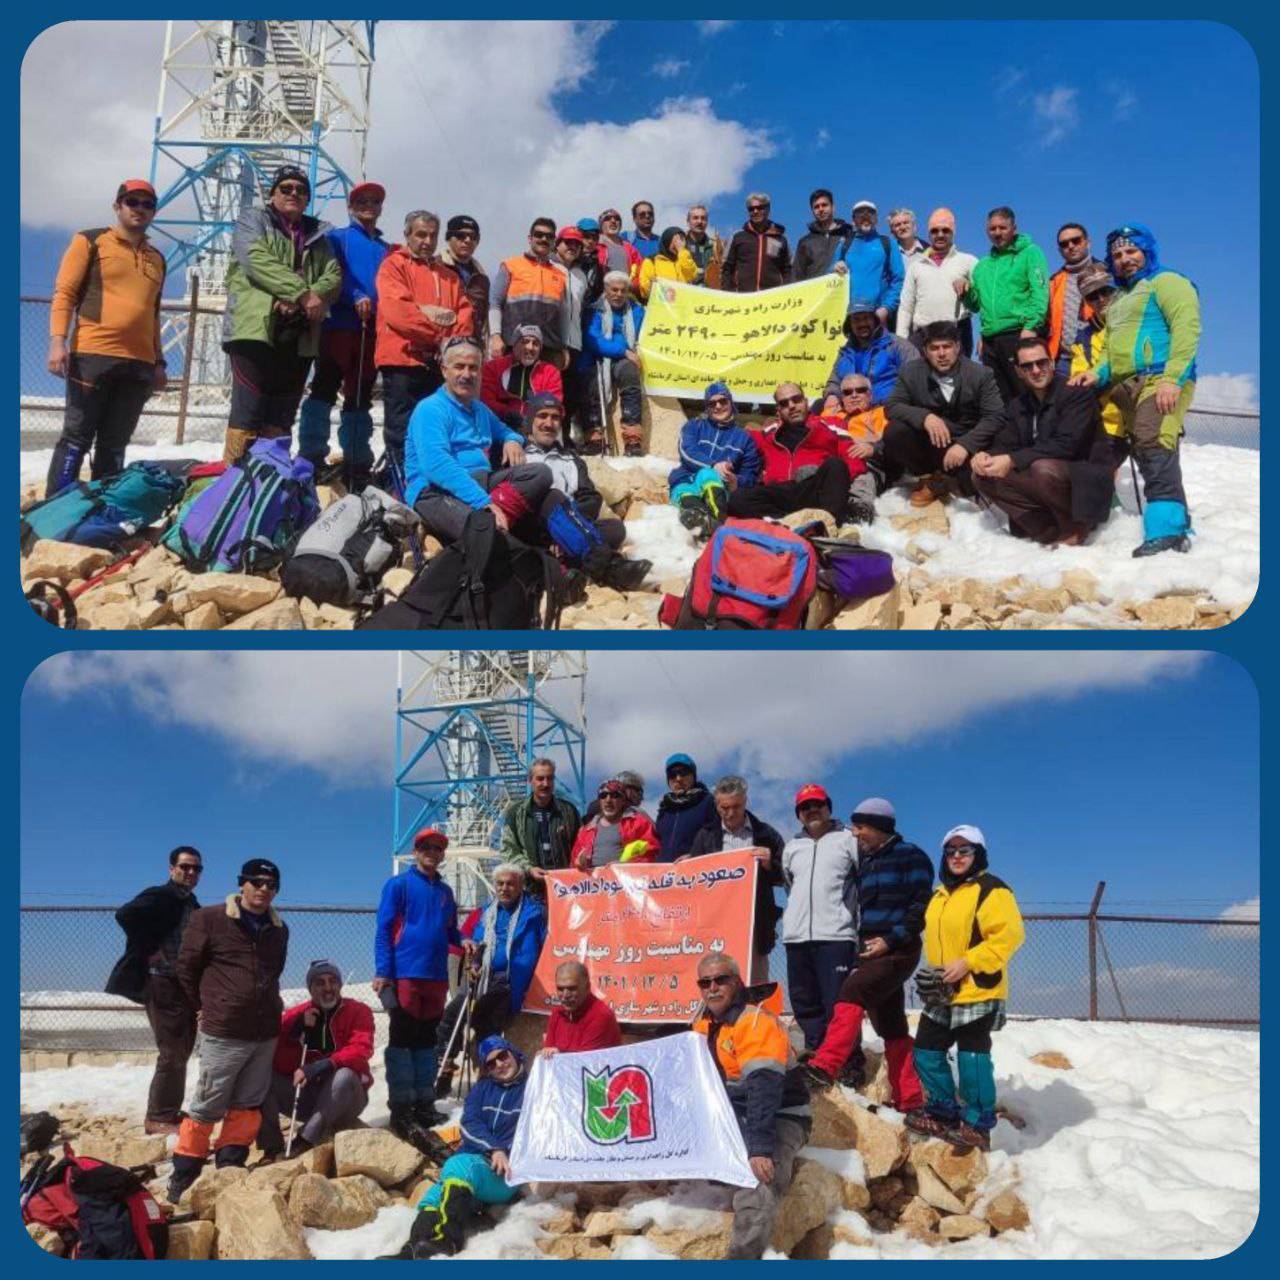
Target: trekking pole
467,1047
1133,471
606,445
297,1093
451,1048
347,451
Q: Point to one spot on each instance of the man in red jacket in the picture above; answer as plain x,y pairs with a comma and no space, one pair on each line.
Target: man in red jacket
806,463
323,1052
583,1021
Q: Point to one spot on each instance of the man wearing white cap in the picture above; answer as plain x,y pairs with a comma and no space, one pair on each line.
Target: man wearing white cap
895,880
872,261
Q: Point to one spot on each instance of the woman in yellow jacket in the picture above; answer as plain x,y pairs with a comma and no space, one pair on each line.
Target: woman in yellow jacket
972,927
672,262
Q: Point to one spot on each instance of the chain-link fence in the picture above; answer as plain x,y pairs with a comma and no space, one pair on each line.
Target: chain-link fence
202,413
1089,965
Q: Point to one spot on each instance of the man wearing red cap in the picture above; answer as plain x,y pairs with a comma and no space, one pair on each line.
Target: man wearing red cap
110,280
820,872
417,920
347,341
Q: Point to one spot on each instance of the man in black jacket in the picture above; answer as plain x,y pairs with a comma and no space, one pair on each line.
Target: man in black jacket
942,410
826,231
1048,470
153,924
736,827
758,256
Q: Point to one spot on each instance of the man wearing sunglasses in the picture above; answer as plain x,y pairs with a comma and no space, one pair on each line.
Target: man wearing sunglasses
109,282
1050,468
929,289
1068,307
229,967
153,925
461,238
641,237
758,256
766,1089
619,254
619,832
531,289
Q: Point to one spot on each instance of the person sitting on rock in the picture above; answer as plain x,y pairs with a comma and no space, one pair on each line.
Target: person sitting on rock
716,457
581,1021
804,463
869,350
766,1089
610,354
475,1175
618,833
972,928
507,382
684,810
895,879
500,956
322,1055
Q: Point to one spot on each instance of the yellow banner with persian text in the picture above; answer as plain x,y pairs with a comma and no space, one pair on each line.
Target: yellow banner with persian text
753,341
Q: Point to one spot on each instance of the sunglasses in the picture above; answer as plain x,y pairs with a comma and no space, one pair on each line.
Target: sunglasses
262,882
853,391
139,202
757,208
611,217
1043,363
715,980
1067,241
432,847
190,867
617,793
292,189
790,400
964,851
540,235
719,400
941,231
495,1058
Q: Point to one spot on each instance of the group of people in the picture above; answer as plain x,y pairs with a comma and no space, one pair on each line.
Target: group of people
862,910
1079,369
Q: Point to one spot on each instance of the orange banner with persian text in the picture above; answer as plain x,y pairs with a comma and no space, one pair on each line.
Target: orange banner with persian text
642,928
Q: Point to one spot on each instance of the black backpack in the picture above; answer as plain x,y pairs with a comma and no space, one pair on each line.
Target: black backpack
482,582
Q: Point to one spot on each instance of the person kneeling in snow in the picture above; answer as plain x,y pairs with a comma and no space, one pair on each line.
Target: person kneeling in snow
971,930
716,457
322,1051
766,1089
476,1175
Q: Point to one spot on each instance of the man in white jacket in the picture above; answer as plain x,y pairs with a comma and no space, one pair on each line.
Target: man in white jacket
929,291
820,921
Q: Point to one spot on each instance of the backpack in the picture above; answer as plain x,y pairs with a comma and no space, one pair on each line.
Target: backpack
100,1210
752,574
481,582
341,558
853,572
104,513
249,518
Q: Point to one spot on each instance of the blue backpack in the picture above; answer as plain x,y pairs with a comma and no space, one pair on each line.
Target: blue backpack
104,513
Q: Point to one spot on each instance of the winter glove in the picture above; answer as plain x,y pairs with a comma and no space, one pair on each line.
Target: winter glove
390,1002
932,992
318,1069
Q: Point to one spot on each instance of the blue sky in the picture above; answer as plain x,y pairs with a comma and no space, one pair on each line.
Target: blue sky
1100,122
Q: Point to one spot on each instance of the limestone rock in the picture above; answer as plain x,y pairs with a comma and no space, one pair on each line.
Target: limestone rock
202,1196
934,1191
960,1226
565,1221
960,1173
377,1153
336,1204
279,1176
109,615
233,593
814,1194
204,617
611,482
664,419
257,1224
46,1238
854,1195
707,1242
878,613
1043,600
279,615
574,1245
141,1148
816,1246
191,1241
1081,585
604,1222
64,561
396,580
1052,1058
1168,613
926,616
153,612
930,519
842,1124
1007,1212
884,1191
919,1219
338,618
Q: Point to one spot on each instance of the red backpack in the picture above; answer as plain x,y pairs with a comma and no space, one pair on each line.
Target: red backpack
100,1210
752,574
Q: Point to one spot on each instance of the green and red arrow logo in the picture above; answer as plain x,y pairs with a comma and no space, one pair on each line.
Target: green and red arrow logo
617,1106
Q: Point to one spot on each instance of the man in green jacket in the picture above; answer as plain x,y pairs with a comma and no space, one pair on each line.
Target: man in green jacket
1010,287
539,831
1148,365
282,277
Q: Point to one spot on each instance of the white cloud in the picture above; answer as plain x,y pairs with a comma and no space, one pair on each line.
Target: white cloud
1124,102
821,138
1057,113
466,117
1232,391
669,68
1249,909
714,26
1006,80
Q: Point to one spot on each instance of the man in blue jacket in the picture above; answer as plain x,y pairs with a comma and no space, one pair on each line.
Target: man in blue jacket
870,351
417,920
610,355
476,1175
873,262
500,956
686,808
347,340
448,474
716,457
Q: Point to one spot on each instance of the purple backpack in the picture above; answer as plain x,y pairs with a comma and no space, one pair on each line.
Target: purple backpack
853,572
250,517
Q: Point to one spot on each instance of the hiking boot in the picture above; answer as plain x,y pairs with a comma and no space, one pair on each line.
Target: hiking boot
186,1169
859,511
965,1137
931,489
694,513
425,1113
592,444
925,1125
406,1125
1154,546
853,1075
444,1081
817,1077
632,447
626,575
161,1126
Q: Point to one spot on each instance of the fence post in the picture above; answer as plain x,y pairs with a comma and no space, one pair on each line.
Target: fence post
193,315
1093,950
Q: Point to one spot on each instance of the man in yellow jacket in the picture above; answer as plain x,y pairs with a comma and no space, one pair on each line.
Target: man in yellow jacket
971,929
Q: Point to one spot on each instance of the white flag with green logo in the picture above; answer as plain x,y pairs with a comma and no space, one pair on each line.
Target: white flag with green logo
632,1114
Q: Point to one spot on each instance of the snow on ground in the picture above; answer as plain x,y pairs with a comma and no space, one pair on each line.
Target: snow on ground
1148,1147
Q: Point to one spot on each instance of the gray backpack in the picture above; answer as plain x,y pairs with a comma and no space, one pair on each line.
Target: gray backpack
341,558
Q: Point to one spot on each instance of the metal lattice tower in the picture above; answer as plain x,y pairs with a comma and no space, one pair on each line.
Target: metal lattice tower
238,98
468,725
